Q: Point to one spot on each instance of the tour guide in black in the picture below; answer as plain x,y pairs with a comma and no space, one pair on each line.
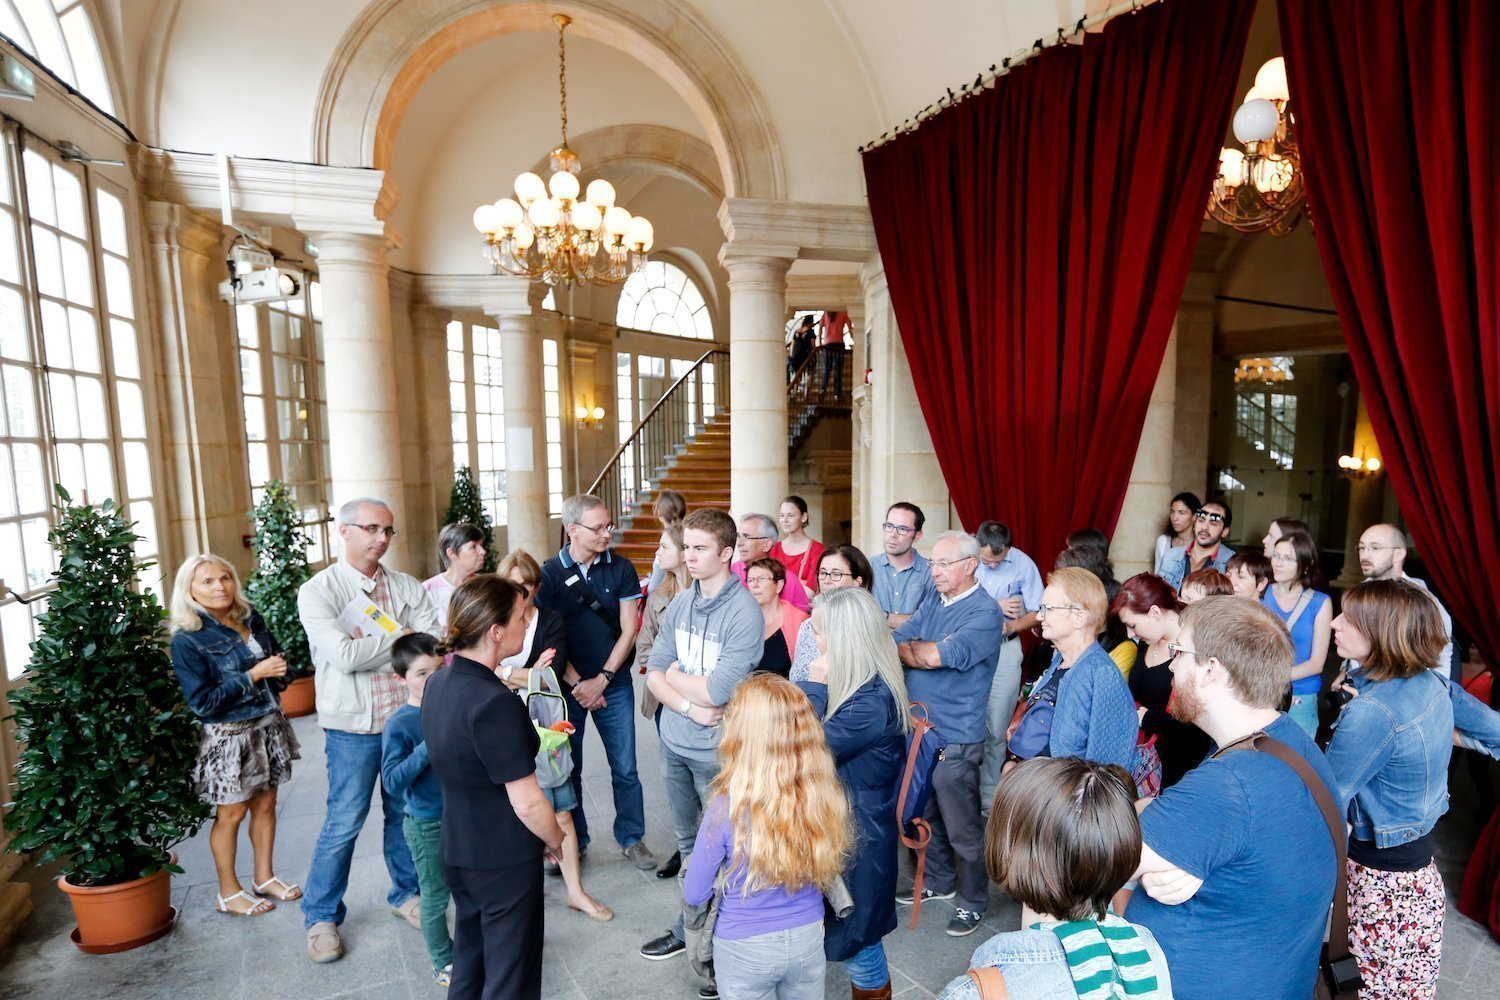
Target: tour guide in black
597,593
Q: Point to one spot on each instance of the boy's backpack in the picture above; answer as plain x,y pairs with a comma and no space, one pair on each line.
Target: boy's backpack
924,748
549,713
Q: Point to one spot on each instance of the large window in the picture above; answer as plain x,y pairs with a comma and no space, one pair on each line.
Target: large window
661,298
73,402
477,401
58,33
286,408
1267,419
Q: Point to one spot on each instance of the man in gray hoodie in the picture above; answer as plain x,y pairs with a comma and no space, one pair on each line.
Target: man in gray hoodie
710,639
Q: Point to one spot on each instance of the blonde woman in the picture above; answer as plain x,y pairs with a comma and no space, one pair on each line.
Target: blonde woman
857,687
231,671
780,822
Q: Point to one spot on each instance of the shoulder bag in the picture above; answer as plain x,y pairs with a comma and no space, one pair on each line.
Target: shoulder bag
990,982
1338,971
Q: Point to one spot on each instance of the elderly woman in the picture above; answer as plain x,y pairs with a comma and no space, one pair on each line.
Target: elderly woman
766,577
839,567
461,552
1092,714
231,672
857,687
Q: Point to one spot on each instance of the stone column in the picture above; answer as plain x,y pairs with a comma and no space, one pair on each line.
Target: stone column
1143,512
757,380
527,523
203,417
364,432
1366,497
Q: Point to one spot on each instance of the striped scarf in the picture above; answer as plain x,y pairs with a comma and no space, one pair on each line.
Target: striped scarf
1106,958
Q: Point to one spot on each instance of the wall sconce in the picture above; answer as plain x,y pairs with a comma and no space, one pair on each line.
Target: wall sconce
1360,467
589,419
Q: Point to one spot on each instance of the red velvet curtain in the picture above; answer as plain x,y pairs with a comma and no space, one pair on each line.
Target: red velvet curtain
1036,239
1397,105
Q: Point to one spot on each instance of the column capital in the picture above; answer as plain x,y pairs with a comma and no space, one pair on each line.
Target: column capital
755,269
506,297
813,230
872,276
178,227
337,247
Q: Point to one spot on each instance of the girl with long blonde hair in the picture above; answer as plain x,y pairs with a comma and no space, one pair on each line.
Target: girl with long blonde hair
779,821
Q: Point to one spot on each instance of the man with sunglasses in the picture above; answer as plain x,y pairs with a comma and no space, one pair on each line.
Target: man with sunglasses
353,612
597,593
1210,524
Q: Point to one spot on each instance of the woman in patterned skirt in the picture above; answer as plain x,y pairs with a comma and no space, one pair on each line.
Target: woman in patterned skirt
231,671
1390,753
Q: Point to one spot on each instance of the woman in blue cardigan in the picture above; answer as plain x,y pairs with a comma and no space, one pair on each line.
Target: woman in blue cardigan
857,688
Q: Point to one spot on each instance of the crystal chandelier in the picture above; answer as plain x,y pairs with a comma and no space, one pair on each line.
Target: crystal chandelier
1263,371
559,239
1259,189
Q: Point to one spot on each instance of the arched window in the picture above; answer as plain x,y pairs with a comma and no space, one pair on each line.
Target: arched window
661,298
61,36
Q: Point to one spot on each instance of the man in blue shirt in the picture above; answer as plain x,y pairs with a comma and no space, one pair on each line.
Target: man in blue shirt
949,647
1210,526
902,581
1237,868
1012,579
596,593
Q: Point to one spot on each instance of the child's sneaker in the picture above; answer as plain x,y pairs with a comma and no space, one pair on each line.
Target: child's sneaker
443,976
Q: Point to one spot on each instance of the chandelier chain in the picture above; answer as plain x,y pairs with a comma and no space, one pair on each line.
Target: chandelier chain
562,77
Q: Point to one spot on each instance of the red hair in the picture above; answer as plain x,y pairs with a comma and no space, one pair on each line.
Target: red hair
1143,592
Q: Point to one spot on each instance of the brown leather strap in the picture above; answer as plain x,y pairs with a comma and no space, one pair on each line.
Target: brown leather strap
991,983
1338,931
923,832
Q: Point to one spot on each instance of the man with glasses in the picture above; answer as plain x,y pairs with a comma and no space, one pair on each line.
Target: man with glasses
1237,865
1210,525
756,536
902,580
1382,556
596,592
353,612
949,647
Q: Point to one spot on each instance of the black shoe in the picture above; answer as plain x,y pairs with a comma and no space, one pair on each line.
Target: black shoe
964,922
708,993
666,946
905,896
672,867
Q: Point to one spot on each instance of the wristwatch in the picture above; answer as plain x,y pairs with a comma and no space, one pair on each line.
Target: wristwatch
687,705
609,675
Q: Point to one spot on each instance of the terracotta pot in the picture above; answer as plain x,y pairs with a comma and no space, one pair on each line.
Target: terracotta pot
117,917
300,698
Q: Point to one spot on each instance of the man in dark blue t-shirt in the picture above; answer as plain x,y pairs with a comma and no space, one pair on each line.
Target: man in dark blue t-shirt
597,593
1238,868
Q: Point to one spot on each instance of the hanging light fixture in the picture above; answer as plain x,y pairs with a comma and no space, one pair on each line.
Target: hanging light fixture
547,234
1262,371
1259,188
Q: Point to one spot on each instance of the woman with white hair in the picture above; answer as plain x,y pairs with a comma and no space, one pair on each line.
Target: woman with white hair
857,687
231,671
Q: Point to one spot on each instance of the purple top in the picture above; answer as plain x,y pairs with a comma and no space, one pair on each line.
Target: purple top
742,916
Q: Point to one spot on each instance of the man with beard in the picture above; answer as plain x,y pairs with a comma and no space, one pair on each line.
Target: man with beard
1237,866
1382,556
1210,525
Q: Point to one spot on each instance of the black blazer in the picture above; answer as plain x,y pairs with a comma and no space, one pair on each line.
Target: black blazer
551,633
478,738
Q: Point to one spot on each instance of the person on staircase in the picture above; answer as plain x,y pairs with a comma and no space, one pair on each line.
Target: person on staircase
798,552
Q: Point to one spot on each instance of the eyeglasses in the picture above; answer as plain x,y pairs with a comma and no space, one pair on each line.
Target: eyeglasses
1375,548
899,529
754,538
1174,649
598,529
945,563
1209,516
832,575
1047,609
375,529
1282,557
759,578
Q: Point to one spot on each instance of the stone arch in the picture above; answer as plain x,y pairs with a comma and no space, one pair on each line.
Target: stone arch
395,46
665,150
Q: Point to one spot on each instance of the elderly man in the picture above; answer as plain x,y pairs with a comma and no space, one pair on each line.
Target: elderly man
353,612
1210,526
597,593
758,533
950,646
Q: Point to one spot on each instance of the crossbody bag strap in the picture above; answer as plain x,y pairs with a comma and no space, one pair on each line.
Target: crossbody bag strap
580,589
1338,931
1302,604
990,982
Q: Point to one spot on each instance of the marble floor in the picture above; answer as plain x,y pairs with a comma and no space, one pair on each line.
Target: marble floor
209,955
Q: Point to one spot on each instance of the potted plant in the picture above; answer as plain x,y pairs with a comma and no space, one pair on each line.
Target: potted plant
104,783
280,548
466,507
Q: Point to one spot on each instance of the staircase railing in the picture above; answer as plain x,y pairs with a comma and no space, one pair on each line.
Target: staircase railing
682,411
823,385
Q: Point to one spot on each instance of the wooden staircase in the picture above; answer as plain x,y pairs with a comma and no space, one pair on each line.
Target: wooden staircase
699,471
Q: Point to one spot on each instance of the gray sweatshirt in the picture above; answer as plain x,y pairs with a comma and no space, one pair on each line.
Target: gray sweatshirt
719,637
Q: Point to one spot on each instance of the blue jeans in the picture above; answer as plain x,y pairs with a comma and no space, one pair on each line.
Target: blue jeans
687,780
616,725
353,770
1304,711
867,968
1004,691
776,965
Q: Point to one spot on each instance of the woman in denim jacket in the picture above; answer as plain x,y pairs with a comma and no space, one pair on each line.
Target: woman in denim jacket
231,673
1390,753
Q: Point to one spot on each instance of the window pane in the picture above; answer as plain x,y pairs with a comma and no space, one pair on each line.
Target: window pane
137,469
57,342
70,470
17,626
260,463
12,566
10,260
76,272
85,337
92,422
98,471
13,342
69,194
250,372
31,486
7,491
112,223
38,173
132,410
143,513
48,263
64,405
117,287
122,337
255,418
39,555
20,404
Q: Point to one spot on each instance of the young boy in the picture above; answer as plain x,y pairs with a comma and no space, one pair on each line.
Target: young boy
404,771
